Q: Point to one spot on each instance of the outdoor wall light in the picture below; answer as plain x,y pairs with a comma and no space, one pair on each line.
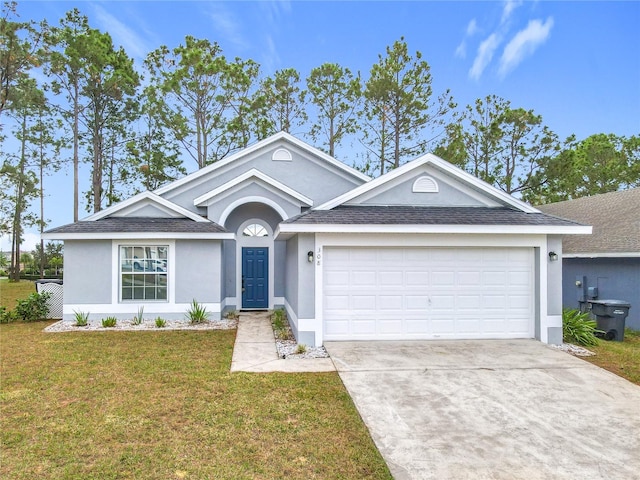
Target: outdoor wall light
553,257
310,256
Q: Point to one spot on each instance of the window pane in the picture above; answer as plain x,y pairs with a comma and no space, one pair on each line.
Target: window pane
143,272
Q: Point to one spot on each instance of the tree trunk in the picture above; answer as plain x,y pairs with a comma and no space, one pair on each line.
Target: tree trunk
76,115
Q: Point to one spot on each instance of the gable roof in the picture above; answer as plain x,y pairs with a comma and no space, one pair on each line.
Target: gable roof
254,173
475,183
615,217
423,219
273,139
140,198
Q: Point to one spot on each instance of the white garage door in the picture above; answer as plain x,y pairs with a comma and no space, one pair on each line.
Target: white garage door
422,293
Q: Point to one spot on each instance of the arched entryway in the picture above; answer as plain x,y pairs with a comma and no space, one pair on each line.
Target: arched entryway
254,270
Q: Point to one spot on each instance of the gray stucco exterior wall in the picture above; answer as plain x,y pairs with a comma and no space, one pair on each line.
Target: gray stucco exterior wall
615,278
314,178
279,268
198,270
306,277
87,271
229,268
402,194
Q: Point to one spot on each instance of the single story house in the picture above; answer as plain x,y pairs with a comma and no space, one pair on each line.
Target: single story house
608,260
426,251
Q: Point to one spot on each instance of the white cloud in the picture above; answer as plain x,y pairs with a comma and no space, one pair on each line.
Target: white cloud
226,26
524,43
509,7
484,55
121,34
271,59
472,28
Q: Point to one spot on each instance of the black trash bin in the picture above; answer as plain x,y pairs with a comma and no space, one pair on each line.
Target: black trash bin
610,317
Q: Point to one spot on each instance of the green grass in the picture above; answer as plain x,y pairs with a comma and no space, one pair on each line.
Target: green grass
621,358
10,292
162,404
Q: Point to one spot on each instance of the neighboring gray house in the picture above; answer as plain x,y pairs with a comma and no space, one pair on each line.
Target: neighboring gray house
426,251
610,258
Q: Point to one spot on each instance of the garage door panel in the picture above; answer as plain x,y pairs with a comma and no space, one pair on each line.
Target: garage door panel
394,293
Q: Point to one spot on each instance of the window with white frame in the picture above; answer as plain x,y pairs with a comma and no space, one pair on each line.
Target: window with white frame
143,272
255,230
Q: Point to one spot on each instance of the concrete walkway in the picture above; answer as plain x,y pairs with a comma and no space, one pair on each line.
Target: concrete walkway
255,349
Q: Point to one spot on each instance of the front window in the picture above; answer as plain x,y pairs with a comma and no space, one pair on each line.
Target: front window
255,230
143,272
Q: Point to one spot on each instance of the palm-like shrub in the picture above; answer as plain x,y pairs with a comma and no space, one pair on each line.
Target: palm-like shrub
579,328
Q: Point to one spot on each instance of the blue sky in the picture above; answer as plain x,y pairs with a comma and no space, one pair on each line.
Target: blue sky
575,63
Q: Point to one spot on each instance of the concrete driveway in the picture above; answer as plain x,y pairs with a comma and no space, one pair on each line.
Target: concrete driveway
492,410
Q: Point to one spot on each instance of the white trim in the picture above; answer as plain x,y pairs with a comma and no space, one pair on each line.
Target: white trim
602,255
254,148
203,200
241,201
425,184
115,273
471,229
128,308
267,242
439,163
138,235
282,155
145,196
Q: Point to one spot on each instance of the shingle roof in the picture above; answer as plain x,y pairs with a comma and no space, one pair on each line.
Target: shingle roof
615,218
139,224
412,215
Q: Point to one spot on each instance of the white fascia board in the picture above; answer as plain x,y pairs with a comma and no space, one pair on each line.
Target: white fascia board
438,162
255,147
475,229
203,200
602,255
141,197
138,235
480,184
364,188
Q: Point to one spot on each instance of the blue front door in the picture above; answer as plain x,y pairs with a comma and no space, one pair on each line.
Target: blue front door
255,277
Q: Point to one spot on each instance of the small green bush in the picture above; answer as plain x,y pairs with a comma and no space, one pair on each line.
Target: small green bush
232,315
33,308
160,322
138,319
109,322
579,328
301,348
197,313
280,325
82,318
6,316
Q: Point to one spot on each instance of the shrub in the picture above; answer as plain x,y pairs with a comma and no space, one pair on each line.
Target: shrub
579,328
33,308
82,318
138,319
280,325
301,348
160,322
197,313
6,316
109,322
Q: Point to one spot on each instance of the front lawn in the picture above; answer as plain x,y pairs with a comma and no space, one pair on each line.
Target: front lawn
621,358
10,292
109,405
